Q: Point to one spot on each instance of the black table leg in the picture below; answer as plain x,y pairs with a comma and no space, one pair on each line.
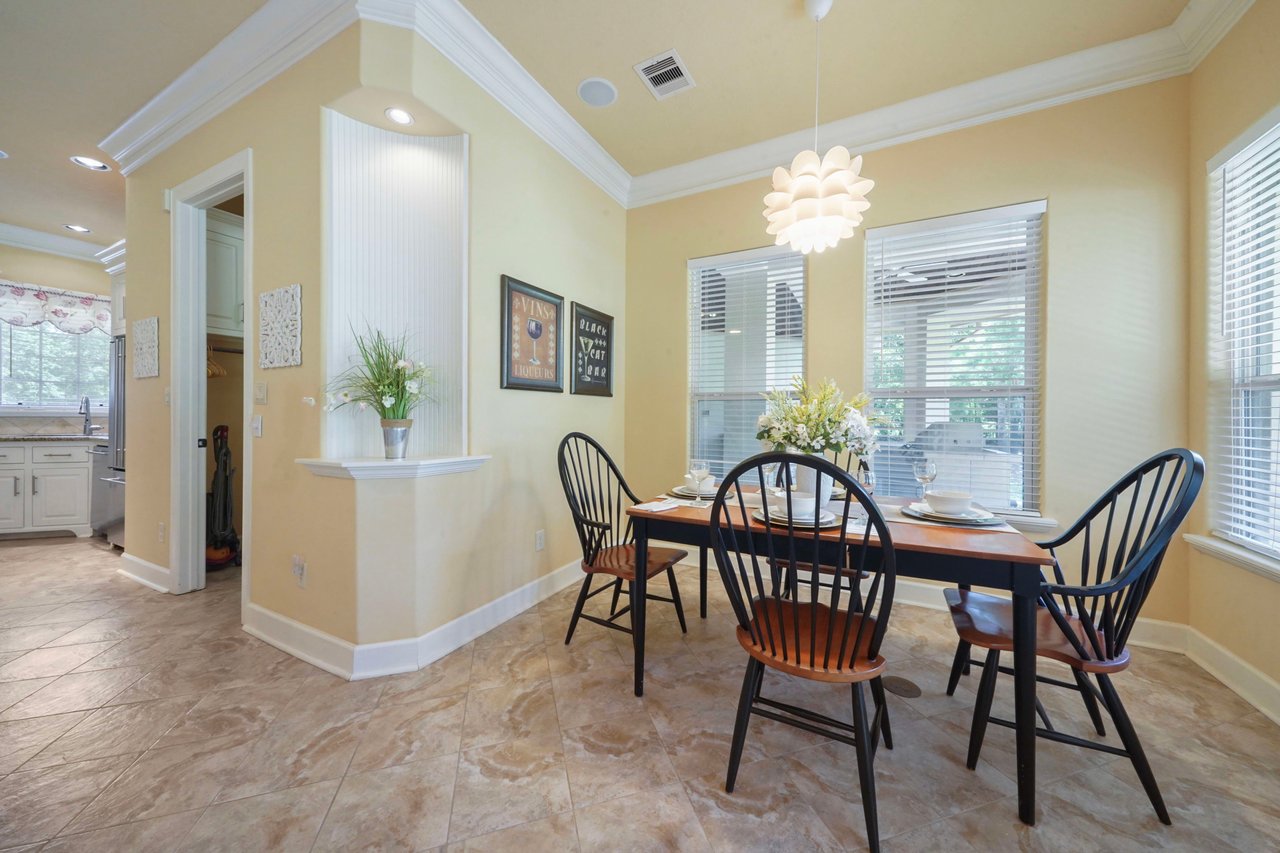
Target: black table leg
1026,588
702,581
639,598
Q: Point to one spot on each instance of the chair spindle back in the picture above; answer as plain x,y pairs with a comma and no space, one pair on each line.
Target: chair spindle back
598,495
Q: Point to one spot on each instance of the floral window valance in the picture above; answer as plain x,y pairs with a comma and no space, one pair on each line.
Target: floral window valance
76,313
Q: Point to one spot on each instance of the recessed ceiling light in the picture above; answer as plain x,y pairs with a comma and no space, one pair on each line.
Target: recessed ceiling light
597,92
90,163
3,155
79,229
399,116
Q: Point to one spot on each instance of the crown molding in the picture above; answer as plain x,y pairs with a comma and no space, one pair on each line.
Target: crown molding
113,257
50,244
448,27
265,44
1159,54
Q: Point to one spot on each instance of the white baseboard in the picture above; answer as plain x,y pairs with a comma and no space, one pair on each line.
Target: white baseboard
143,572
1250,683
370,660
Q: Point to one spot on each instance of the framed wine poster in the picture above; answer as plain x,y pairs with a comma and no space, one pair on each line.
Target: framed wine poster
531,326
591,341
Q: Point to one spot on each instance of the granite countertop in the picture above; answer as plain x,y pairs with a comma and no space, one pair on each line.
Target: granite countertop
65,439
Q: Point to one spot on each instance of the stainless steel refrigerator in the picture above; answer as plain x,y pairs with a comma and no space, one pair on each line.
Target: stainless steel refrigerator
108,459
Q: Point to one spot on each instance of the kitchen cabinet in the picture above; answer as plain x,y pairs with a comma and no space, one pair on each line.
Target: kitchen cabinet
44,486
224,263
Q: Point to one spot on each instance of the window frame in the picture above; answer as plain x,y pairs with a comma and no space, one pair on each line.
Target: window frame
10,410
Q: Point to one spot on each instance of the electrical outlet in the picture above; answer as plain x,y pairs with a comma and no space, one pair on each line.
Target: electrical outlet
161,532
539,540
300,570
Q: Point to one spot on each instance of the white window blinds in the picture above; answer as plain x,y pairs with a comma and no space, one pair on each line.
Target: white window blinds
1245,286
746,337
953,353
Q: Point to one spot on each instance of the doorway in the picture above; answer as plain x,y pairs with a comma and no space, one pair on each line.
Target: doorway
191,338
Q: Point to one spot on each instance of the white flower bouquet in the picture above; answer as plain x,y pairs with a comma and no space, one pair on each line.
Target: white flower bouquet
384,378
816,421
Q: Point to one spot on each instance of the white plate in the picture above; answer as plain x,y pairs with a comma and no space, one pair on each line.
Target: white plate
974,514
986,519
685,491
825,519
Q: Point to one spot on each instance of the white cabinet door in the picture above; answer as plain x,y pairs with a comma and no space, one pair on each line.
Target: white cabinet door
224,254
13,498
59,496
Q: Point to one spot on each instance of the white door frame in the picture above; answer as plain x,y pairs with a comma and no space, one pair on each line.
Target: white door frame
188,408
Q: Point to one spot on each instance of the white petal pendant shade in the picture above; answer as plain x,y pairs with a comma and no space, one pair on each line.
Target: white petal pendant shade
819,202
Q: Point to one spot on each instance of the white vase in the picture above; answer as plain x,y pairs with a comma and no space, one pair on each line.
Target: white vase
810,480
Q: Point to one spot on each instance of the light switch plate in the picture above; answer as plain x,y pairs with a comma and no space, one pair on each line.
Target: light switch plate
256,426
260,393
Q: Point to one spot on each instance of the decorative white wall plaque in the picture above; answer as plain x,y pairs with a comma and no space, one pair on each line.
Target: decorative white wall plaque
280,327
146,347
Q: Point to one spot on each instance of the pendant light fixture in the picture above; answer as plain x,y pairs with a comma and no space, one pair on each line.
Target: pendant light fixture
821,199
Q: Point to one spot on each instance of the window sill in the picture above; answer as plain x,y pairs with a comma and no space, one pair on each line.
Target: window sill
1030,523
48,412
1236,555
391,469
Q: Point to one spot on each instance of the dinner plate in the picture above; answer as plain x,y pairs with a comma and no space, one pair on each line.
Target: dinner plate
973,513
825,519
685,491
838,493
985,519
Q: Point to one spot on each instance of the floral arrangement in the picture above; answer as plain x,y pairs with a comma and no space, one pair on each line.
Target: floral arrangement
385,378
809,420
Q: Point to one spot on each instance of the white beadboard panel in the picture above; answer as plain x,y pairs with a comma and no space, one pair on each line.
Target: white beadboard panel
396,247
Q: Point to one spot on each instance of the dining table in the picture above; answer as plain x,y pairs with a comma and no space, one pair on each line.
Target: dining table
997,558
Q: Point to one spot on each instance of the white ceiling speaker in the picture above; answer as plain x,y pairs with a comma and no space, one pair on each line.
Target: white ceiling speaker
597,92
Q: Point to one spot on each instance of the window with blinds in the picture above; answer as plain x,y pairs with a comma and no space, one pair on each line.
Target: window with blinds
952,353
1244,269
746,337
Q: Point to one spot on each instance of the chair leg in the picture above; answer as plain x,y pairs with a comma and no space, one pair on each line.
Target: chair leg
617,593
1133,746
675,598
866,770
960,666
882,709
577,608
1090,702
750,685
982,708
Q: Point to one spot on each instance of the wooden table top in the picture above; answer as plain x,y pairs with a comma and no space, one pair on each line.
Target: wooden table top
986,544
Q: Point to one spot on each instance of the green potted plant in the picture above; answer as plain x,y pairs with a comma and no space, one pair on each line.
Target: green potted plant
386,380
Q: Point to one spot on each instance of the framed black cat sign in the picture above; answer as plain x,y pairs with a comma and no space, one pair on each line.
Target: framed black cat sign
531,327
591,341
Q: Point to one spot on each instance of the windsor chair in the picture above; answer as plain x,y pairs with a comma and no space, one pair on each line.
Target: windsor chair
598,498
829,633
1119,543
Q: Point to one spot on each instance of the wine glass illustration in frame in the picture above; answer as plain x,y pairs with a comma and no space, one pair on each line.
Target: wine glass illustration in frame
531,331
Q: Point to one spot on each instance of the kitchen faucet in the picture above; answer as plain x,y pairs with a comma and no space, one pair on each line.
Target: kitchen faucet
89,428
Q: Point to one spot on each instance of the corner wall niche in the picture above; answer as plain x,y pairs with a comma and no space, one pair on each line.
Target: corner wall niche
396,249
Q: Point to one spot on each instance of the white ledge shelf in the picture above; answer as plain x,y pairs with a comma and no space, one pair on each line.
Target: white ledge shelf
1236,555
371,468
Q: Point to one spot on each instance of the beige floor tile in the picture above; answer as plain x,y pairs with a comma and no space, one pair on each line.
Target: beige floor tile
33,636
283,821
519,711
555,834
397,734
585,653
521,630
405,807
15,691
658,820
36,804
763,813
76,691
697,740
615,758
117,730
40,663
597,694
505,785
165,781
158,835
446,677
494,666
22,739
243,712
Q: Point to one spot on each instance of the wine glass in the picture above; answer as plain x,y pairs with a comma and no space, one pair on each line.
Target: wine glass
534,328
867,479
699,470
925,472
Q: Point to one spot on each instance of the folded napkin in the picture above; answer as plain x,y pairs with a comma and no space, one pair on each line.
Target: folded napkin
707,485
658,505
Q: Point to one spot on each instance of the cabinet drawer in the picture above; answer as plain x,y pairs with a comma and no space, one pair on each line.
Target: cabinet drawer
12,454
60,453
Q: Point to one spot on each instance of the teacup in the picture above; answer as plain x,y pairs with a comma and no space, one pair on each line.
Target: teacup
949,503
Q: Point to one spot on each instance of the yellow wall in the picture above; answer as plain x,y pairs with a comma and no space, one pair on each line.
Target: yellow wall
1113,170
53,271
1235,86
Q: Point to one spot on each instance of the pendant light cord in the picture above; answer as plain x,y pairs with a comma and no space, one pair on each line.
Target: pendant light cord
817,76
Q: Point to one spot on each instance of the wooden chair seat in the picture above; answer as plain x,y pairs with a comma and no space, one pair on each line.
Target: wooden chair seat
775,622
620,561
987,621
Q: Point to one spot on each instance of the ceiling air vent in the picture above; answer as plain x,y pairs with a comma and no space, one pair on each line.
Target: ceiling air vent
665,74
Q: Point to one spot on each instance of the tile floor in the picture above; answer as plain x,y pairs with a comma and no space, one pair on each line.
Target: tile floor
131,720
